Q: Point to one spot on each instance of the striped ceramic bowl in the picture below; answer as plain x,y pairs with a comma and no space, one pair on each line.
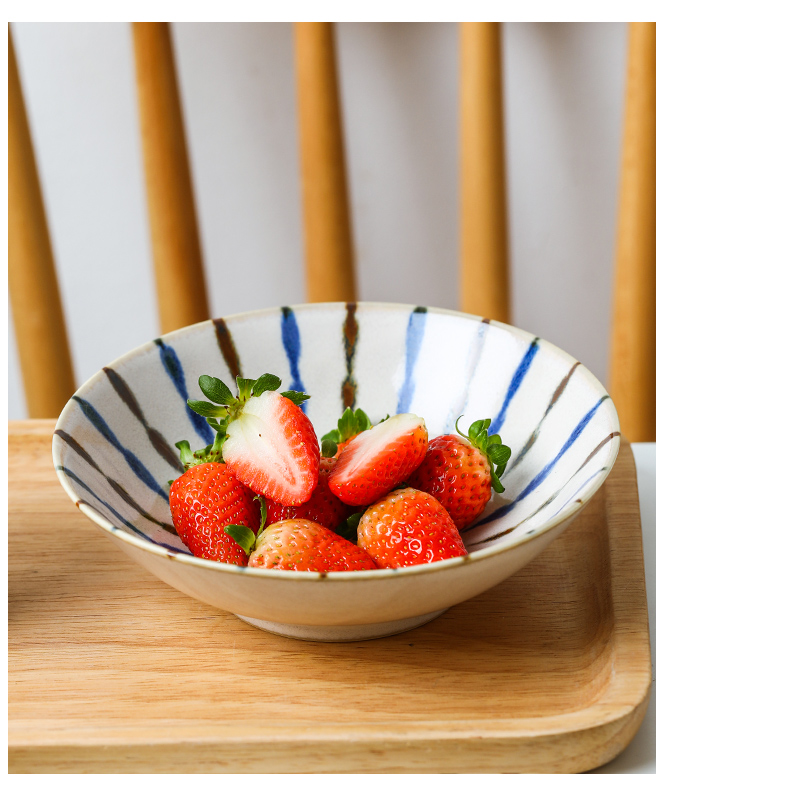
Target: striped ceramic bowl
114,448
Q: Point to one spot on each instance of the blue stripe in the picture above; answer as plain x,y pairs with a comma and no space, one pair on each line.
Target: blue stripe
293,348
414,335
544,473
112,510
515,383
472,360
134,462
172,365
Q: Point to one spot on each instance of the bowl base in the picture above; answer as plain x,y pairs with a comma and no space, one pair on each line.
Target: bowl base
342,633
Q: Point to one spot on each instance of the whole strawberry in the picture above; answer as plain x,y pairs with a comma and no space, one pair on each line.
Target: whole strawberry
206,499
267,441
323,506
460,471
303,545
378,459
351,423
408,527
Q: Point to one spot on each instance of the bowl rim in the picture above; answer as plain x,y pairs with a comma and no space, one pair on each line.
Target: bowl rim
480,555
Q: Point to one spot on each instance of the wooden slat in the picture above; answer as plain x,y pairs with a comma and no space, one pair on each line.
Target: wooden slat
484,239
633,349
178,263
32,280
329,254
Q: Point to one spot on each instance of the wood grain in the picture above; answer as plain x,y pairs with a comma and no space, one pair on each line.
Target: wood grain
329,253
547,672
485,288
632,379
39,324
178,262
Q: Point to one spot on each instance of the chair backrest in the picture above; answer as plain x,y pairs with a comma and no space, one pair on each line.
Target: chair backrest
330,272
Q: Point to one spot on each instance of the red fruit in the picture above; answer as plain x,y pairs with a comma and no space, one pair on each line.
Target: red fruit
272,448
204,500
408,527
323,506
302,545
378,459
460,473
264,437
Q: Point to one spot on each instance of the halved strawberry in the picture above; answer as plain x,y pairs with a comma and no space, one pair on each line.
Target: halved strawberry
302,545
267,441
323,507
378,459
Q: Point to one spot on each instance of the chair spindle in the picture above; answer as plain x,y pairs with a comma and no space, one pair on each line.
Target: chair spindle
40,328
632,380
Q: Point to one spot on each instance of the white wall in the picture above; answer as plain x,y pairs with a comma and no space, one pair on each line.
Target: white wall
564,90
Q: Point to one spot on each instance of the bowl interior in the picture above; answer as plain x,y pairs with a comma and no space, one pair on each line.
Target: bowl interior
114,446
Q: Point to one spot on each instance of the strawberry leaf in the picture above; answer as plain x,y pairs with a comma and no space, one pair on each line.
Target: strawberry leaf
268,382
245,387
328,448
244,536
363,421
262,500
346,424
296,397
498,454
216,390
351,423
348,529
205,409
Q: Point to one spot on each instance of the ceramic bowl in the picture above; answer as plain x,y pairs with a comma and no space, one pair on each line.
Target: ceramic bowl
114,451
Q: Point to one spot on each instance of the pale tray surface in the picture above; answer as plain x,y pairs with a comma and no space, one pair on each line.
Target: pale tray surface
112,670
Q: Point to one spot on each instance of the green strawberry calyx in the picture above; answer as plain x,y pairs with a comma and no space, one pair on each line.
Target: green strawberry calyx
498,454
351,423
244,536
209,454
348,528
223,406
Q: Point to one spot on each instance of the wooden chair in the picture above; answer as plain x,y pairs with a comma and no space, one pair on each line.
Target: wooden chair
40,329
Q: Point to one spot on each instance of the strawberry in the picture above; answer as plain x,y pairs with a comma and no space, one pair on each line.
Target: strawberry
408,527
207,498
323,506
377,459
460,471
350,424
267,441
303,545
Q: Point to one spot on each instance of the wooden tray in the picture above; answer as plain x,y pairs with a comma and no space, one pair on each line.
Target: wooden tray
111,670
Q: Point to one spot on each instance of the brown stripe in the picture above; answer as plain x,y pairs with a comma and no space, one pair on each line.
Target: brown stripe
158,441
225,341
554,398
350,334
117,487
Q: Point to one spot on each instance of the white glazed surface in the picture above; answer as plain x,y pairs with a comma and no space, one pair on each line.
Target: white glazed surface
556,416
